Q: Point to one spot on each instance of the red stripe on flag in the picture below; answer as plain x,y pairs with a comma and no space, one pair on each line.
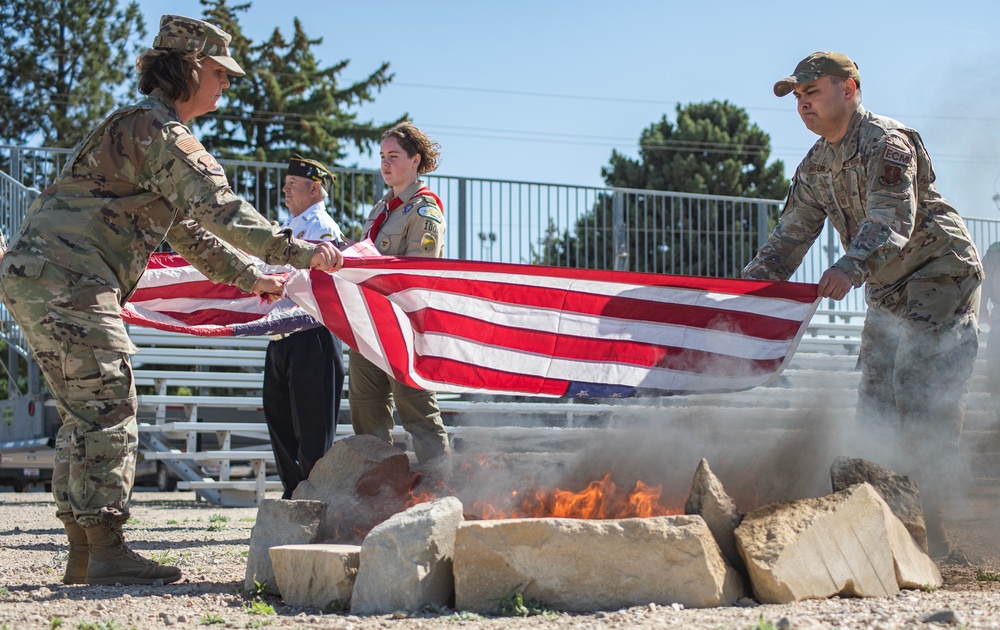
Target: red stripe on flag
487,379
331,307
561,346
212,316
795,291
204,290
569,301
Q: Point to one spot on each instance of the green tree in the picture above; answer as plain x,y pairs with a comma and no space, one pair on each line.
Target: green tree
289,102
711,149
62,66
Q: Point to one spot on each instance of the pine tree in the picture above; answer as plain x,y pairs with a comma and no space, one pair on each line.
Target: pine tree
62,65
289,102
712,149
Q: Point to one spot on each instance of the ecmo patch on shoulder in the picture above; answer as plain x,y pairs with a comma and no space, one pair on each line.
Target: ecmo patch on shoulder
897,155
431,212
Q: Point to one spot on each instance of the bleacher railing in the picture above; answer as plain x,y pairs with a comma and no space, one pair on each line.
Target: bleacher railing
540,223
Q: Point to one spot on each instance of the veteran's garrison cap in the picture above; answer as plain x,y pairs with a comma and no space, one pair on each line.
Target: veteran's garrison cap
310,169
816,65
183,33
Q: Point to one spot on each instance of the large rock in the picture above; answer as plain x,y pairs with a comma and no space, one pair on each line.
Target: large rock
898,491
913,567
363,481
316,576
848,543
580,565
406,561
709,500
279,522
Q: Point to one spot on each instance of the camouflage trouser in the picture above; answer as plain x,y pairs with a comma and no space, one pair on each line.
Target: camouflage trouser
918,349
76,334
371,394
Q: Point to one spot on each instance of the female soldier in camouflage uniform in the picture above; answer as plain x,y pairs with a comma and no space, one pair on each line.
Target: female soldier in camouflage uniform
407,221
140,177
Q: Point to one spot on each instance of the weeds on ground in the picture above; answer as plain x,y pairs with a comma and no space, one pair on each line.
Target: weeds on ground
257,607
164,557
258,592
248,519
173,521
217,522
260,623
4,592
211,618
244,553
928,588
133,521
763,624
55,622
982,575
513,604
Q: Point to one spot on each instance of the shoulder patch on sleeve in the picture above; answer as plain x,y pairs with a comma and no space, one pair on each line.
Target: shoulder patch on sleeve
211,165
189,144
431,212
896,154
193,152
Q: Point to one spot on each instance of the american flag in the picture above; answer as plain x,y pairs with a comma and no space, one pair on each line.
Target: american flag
481,327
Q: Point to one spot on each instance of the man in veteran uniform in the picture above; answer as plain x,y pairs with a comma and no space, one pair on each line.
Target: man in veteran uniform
138,179
407,221
872,177
304,371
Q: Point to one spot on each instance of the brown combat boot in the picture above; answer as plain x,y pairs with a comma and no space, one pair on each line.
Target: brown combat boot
112,562
79,555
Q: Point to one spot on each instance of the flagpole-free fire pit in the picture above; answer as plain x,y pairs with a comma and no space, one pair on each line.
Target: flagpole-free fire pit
368,533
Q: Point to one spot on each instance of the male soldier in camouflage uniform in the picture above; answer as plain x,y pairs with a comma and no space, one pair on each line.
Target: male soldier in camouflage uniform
872,177
140,177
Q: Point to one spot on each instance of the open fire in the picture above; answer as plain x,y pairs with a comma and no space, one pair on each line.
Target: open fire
601,499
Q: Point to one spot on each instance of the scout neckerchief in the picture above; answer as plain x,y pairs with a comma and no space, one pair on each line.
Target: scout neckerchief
394,203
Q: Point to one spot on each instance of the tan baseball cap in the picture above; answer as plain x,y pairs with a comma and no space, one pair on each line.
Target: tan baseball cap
183,33
816,65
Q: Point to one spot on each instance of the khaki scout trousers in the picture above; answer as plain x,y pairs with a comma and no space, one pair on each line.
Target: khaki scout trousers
72,325
372,394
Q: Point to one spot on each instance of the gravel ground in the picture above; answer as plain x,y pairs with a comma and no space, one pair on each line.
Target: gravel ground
210,544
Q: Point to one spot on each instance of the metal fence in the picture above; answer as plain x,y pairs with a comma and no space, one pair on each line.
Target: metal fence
14,201
537,223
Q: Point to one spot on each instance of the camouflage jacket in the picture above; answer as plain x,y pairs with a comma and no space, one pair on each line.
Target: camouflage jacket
414,229
877,188
140,177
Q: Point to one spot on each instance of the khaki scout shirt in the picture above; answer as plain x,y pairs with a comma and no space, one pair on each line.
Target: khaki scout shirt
877,188
140,177
414,229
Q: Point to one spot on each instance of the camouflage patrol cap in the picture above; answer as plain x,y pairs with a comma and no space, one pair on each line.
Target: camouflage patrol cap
183,33
816,65
310,169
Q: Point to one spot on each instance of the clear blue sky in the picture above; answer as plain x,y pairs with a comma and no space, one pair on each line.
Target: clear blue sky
543,91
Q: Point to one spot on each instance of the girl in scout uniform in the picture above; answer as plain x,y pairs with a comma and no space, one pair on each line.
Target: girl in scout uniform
407,221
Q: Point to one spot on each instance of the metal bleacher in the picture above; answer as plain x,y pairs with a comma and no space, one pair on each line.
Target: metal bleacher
201,412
